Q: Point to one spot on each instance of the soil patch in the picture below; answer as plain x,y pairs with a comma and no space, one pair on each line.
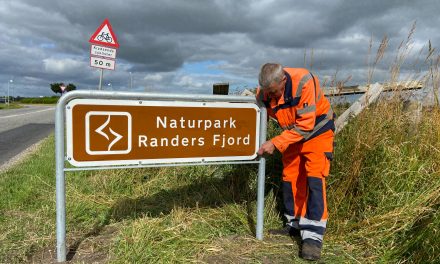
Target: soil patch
86,249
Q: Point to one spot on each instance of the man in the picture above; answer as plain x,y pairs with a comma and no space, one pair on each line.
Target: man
294,98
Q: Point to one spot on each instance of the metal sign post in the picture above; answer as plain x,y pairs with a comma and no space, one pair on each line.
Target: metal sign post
107,116
261,177
101,74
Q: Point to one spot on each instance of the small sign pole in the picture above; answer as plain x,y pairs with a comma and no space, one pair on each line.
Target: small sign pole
100,79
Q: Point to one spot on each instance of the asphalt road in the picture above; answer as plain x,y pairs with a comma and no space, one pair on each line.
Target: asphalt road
21,128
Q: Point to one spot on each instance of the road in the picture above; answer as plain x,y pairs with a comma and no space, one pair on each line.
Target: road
21,128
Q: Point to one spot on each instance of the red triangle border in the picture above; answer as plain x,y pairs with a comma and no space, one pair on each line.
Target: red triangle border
92,38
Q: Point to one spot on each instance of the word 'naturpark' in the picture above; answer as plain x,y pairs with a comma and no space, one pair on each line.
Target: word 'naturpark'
162,122
217,139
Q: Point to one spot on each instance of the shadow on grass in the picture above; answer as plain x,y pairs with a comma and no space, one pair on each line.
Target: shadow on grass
205,192
96,230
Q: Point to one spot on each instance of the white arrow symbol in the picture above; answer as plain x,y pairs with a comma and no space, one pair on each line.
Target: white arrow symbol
99,131
118,137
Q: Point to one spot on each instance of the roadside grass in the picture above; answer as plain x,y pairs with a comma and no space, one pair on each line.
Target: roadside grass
12,105
181,214
383,199
26,206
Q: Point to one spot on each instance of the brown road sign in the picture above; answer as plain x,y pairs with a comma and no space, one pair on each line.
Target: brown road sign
121,132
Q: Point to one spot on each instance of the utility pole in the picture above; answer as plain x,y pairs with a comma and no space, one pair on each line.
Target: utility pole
131,82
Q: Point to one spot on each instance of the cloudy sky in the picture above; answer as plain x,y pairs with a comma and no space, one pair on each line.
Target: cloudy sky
186,46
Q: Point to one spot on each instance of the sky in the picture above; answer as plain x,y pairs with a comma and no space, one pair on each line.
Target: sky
187,46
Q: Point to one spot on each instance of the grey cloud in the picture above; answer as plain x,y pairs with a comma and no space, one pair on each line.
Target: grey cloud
39,38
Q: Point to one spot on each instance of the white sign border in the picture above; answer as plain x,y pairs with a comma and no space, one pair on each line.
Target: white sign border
108,152
69,131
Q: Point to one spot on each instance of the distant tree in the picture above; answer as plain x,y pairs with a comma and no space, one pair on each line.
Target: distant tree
70,87
56,87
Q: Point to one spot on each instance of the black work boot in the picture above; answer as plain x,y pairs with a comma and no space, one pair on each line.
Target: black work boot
311,249
285,231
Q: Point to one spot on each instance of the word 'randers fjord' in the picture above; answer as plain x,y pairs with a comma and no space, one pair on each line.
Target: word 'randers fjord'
221,140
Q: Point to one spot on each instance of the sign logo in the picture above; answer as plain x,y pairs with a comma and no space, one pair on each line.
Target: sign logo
104,35
108,133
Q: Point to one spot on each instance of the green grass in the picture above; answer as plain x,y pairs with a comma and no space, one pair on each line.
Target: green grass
383,200
181,214
40,100
12,105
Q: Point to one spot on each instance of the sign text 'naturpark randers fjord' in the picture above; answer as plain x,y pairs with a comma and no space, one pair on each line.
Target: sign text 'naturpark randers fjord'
122,132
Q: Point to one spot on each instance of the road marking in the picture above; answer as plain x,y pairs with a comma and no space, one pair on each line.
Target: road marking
1,117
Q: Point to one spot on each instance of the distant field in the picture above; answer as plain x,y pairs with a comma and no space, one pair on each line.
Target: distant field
40,100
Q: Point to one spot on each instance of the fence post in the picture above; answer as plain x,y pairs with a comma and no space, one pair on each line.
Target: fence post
220,88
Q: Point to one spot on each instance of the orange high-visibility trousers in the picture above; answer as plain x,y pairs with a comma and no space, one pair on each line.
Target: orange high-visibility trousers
306,165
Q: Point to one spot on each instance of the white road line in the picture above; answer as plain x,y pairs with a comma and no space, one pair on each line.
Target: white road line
1,117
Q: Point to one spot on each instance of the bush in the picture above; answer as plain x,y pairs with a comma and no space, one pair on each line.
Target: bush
40,100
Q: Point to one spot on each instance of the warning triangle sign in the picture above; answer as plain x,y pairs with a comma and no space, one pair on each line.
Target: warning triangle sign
104,35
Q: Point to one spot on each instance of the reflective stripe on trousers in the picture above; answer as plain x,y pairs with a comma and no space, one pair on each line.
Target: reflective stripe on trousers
310,215
306,166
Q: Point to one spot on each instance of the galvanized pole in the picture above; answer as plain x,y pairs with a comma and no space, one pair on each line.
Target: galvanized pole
60,186
100,79
261,176
9,83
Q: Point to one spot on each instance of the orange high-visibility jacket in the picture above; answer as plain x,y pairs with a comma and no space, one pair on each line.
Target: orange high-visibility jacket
302,111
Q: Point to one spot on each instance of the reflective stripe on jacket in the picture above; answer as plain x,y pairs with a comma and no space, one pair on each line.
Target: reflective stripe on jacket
302,111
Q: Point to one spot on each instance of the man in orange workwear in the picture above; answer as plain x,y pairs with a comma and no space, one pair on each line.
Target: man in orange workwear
294,98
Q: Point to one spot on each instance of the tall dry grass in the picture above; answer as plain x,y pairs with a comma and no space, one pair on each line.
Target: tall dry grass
385,182
385,185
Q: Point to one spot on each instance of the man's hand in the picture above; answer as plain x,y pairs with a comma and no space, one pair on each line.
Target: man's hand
267,147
